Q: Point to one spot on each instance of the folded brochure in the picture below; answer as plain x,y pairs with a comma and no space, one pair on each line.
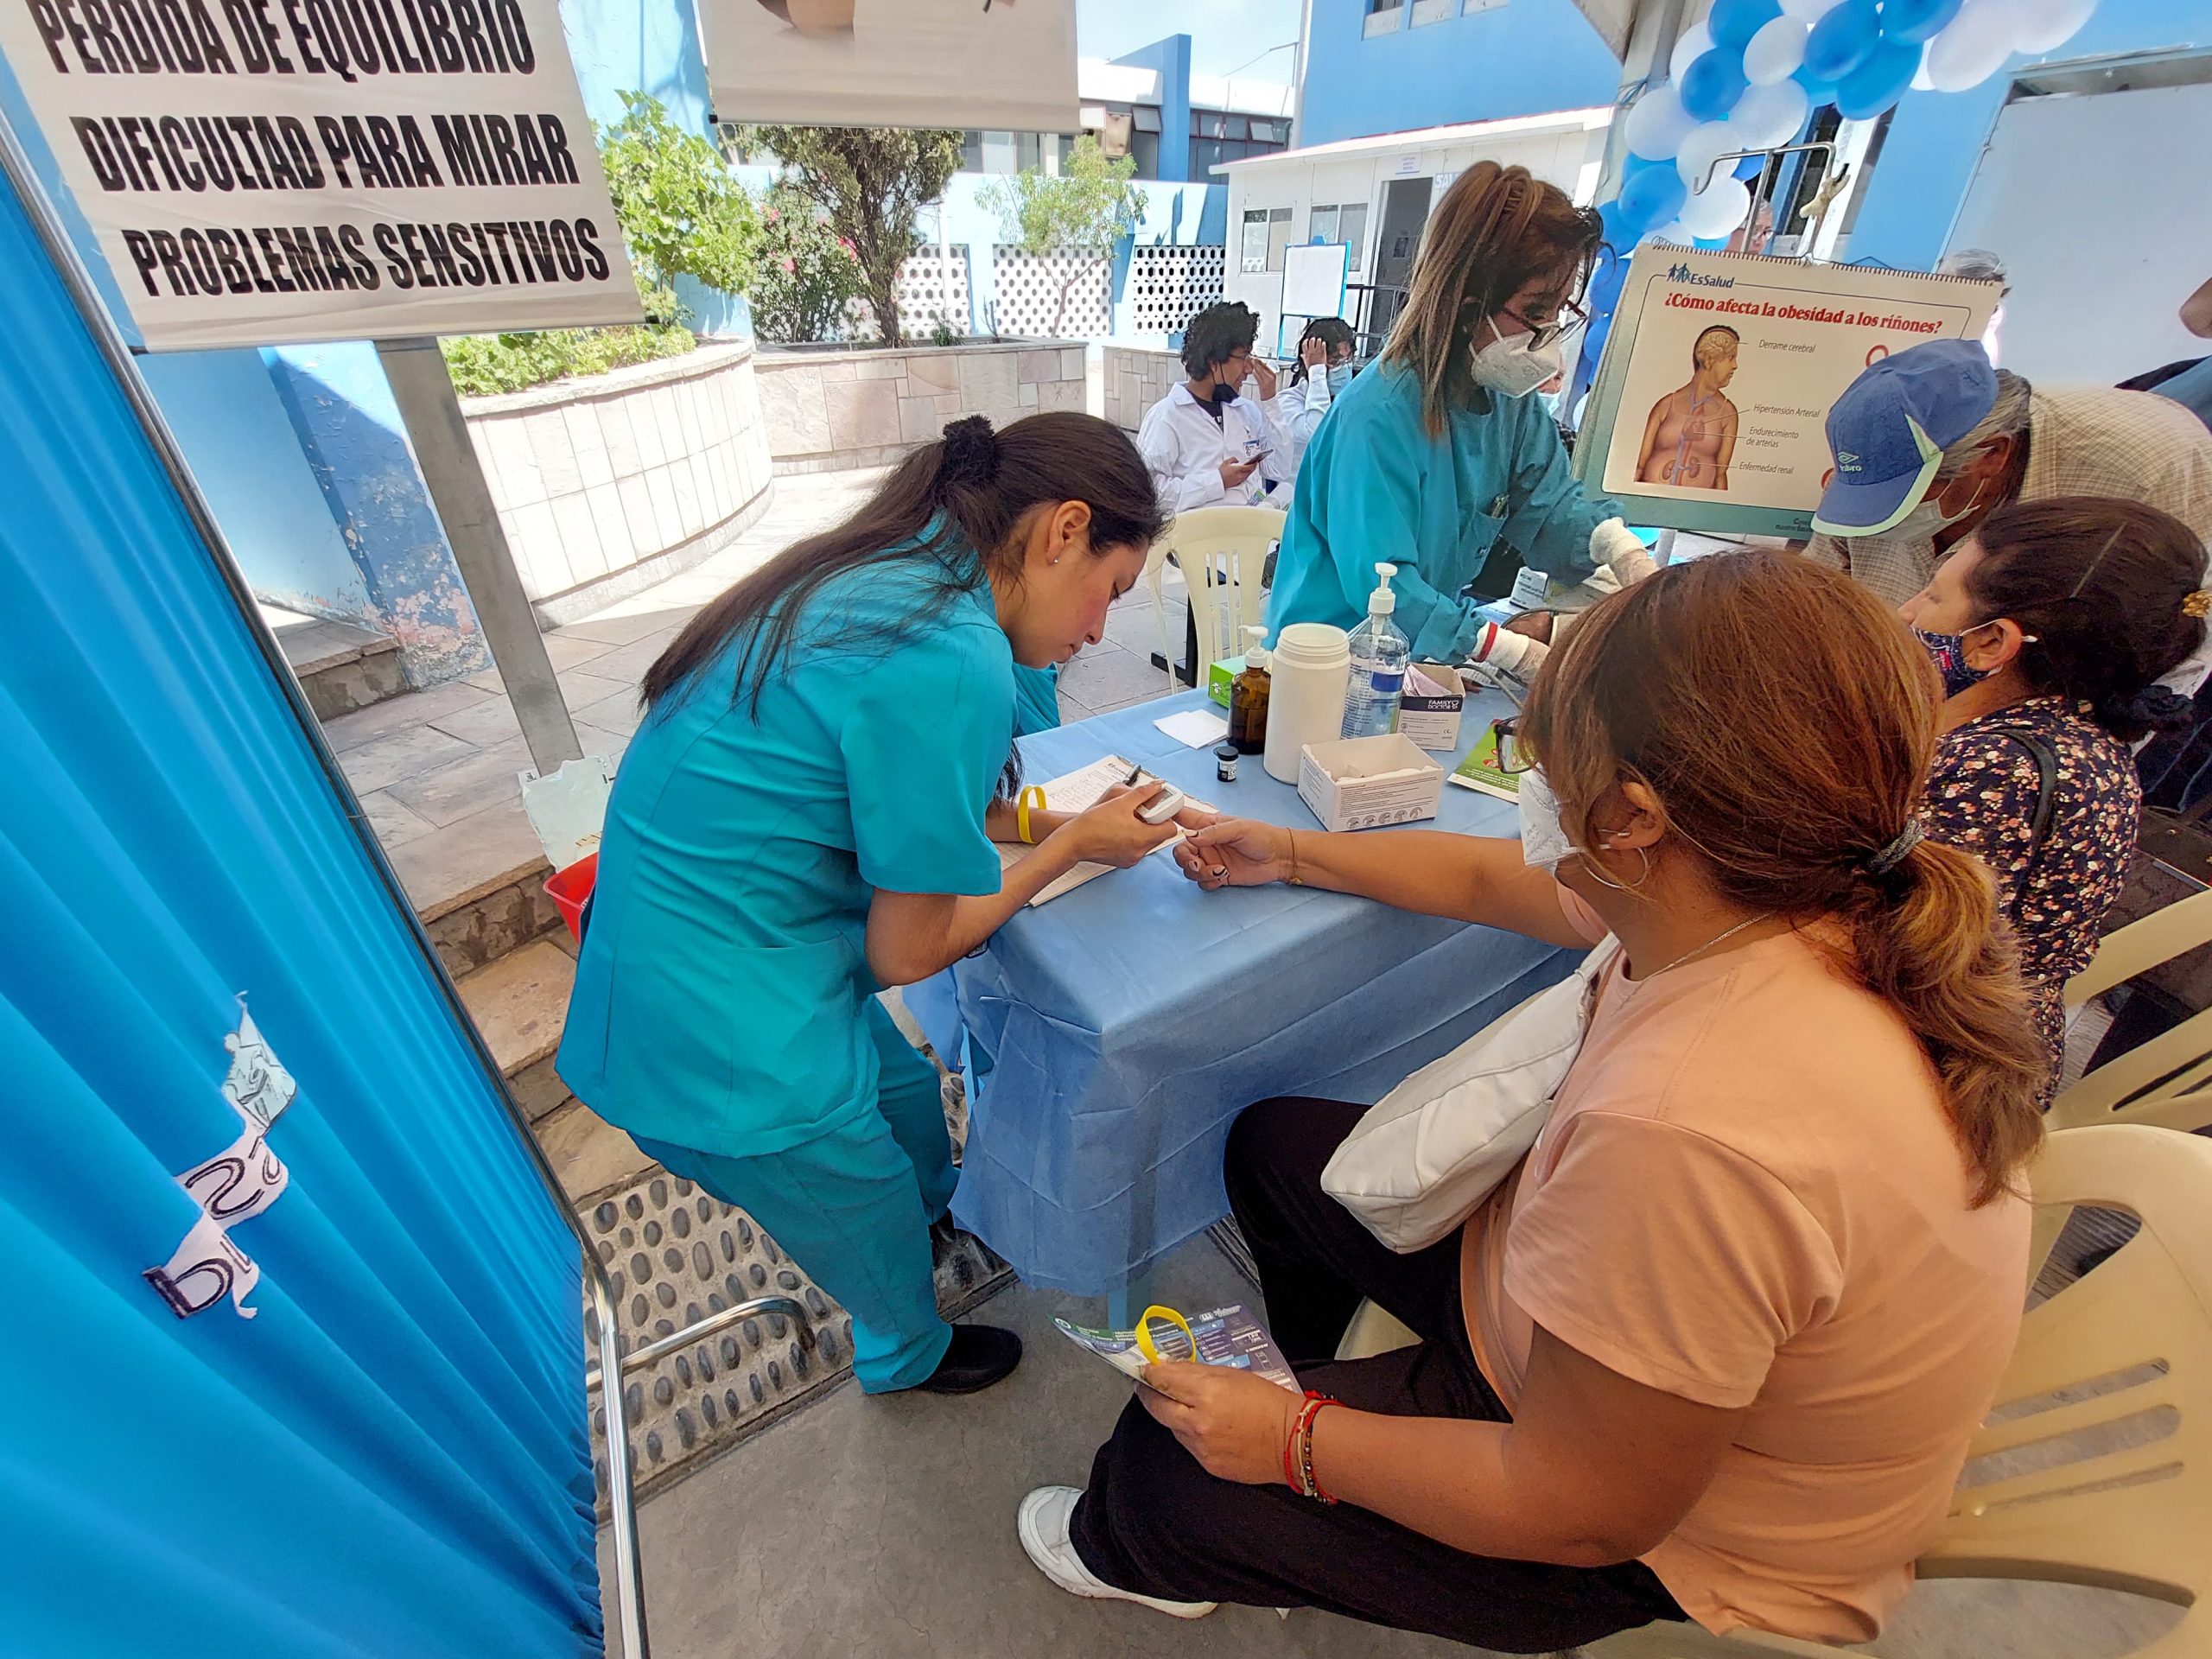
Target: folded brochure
1480,769
1225,1336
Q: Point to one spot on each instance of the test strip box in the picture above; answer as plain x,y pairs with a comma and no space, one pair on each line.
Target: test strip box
1360,783
1432,719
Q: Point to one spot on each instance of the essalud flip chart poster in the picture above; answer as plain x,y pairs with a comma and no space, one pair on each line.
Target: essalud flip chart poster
1710,407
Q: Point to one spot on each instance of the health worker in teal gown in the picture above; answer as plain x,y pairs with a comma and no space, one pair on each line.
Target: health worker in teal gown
1440,452
807,815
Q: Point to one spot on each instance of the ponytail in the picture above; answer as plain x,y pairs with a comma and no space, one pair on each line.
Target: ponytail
949,506
1924,939
1796,777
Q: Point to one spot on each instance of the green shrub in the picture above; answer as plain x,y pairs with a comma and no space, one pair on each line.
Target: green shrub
805,273
682,214
482,365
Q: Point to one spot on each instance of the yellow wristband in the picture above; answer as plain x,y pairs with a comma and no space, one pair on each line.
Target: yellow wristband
1145,1344
1031,797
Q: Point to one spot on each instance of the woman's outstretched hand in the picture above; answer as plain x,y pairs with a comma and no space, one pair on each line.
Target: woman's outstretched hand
1235,853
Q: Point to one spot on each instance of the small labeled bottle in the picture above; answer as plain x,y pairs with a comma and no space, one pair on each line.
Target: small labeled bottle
1247,697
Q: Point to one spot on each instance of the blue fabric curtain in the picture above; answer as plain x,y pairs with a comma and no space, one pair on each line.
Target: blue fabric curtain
390,1457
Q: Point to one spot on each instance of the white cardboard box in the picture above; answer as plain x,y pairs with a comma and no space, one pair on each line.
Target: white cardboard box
1357,783
1432,721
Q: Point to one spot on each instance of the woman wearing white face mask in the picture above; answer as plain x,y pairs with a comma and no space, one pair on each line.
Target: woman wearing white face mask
1714,1351
1440,453
1323,371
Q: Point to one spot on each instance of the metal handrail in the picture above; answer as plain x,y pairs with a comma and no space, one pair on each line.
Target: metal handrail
14,164
660,1347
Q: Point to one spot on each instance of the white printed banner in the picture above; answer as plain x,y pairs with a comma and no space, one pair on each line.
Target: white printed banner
265,172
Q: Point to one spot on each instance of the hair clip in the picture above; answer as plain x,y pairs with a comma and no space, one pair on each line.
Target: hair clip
2198,605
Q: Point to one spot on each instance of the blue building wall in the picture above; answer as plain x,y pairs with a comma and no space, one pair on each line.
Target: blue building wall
1526,57
1171,58
1928,160
648,46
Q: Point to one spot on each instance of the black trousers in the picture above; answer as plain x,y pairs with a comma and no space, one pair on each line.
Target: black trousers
1154,1521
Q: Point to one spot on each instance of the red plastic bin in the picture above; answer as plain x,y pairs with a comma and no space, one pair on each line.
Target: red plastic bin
569,888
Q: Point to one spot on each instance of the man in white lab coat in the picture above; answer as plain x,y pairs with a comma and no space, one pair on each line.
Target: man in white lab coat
1207,444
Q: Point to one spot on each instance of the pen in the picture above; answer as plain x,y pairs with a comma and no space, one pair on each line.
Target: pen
1135,773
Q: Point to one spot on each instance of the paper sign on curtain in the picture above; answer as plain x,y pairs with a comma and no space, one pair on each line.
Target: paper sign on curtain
264,172
236,1184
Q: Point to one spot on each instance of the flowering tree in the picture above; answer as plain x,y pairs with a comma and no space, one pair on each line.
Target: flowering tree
803,273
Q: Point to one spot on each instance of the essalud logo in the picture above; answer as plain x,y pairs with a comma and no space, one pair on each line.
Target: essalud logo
1679,272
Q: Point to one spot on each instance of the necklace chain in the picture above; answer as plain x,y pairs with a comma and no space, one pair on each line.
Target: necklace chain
1726,933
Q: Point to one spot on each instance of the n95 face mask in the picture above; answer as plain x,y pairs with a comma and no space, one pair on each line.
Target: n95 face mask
1543,838
1515,367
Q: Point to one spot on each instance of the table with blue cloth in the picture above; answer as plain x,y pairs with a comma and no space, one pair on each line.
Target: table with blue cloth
1113,1034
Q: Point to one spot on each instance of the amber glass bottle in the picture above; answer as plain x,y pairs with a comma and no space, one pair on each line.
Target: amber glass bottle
1247,697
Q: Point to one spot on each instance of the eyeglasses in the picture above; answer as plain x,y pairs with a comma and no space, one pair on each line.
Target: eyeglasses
1514,756
1572,320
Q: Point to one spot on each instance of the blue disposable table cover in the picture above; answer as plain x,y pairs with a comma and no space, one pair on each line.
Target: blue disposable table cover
1118,1030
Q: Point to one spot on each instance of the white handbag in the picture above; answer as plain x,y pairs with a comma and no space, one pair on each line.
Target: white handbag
1430,1151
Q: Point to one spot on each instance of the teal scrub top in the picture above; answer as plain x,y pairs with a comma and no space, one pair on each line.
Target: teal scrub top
1036,700
719,994
1374,486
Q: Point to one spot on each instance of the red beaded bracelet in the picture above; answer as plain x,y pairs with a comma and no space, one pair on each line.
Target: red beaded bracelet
1298,1449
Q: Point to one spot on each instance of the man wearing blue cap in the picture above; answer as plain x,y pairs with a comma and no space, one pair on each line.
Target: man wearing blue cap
1928,442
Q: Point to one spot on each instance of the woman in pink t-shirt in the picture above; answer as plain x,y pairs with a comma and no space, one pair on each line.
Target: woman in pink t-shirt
1716,1348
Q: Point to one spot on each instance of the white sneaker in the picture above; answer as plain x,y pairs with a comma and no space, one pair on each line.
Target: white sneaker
1042,1522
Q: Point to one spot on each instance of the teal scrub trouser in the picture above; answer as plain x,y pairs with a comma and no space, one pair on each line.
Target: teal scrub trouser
854,1208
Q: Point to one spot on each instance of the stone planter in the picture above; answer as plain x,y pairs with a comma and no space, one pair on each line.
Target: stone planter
1136,378
826,410
611,483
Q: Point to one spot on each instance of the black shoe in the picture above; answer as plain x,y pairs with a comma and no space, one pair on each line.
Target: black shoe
980,1355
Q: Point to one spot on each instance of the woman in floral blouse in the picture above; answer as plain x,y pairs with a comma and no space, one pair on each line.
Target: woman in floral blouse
2050,626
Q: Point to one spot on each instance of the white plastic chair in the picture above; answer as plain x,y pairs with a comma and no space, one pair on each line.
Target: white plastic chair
2168,1080
1223,552
2139,1329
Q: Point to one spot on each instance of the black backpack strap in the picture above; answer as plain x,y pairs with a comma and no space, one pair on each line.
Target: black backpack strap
2046,761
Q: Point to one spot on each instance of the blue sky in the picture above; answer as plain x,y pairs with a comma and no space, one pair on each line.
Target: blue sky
1225,34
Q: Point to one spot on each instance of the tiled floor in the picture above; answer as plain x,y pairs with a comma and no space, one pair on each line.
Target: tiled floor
437,770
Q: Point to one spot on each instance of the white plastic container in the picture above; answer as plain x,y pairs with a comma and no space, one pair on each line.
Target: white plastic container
1310,665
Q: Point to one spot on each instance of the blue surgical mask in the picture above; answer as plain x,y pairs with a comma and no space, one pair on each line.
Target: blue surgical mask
1949,652
1339,378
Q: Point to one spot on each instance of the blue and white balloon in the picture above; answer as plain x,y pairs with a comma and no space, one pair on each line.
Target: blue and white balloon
1911,21
1972,46
1713,85
1656,123
1701,152
1842,41
1717,209
1775,52
1767,116
1654,196
1690,45
1733,23
1879,82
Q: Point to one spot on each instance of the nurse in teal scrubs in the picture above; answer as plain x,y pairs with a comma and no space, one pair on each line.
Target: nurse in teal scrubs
807,815
1440,453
